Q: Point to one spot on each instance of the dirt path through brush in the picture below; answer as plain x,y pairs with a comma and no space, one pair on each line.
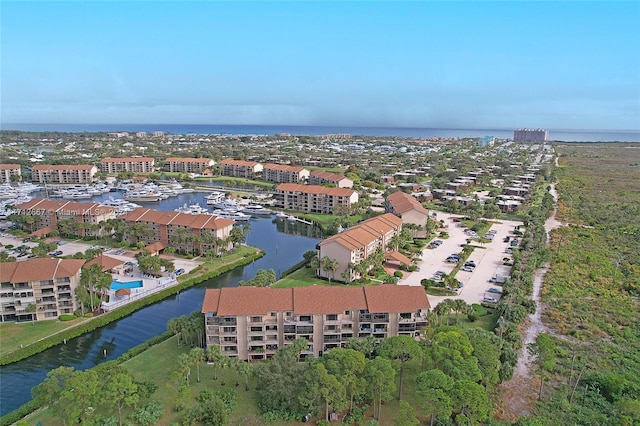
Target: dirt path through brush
518,395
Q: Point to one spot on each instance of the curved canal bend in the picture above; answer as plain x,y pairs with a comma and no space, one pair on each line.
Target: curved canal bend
284,243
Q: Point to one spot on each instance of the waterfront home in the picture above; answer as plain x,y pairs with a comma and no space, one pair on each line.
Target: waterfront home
240,168
38,289
63,173
314,198
187,165
281,173
127,164
82,219
252,323
7,171
188,232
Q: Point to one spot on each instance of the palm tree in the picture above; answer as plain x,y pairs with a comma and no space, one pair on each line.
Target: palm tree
214,355
329,265
197,357
245,369
461,307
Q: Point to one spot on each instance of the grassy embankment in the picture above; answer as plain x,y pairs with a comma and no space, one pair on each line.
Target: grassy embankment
591,292
38,336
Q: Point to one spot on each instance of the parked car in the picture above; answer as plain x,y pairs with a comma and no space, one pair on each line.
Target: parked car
494,290
507,239
452,259
490,300
468,268
179,271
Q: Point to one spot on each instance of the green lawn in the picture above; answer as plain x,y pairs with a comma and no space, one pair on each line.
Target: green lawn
12,335
232,181
303,277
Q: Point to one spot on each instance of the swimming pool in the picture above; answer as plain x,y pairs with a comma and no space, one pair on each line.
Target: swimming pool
117,285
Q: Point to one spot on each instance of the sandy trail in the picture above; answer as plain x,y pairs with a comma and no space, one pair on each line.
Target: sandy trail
519,393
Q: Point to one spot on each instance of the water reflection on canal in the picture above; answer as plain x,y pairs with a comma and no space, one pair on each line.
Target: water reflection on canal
284,243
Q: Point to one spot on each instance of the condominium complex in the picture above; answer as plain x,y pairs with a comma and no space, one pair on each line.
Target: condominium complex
314,198
38,289
530,135
127,164
320,177
200,232
251,323
9,170
281,173
240,168
187,165
82,219
407,208
355,244
55,174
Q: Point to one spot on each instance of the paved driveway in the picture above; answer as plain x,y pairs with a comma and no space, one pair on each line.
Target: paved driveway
488,258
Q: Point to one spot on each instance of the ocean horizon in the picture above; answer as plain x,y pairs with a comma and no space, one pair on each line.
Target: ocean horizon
565,135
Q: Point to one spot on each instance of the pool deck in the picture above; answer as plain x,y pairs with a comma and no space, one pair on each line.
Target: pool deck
149,287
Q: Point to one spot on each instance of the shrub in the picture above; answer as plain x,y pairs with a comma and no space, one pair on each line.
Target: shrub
398,274
66,317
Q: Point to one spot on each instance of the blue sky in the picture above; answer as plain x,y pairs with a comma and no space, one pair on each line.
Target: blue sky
556,65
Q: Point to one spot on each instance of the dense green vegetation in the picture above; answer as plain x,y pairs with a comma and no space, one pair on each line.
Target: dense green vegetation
591,291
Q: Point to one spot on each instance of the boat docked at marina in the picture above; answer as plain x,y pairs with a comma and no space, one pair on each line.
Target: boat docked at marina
215,197
143,196
232,214
256,210
192,209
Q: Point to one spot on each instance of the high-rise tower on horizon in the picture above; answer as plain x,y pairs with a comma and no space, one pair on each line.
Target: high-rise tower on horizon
530,135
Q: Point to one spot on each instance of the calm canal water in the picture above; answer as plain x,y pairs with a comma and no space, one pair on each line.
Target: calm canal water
284,242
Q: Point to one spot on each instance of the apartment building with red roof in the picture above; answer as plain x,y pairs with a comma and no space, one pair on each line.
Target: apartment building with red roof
314,198
38,289
320,177
252,323
355,244
63,173
281,173
127,164
9,170
188,232
82,219
187,165
409,209
240,168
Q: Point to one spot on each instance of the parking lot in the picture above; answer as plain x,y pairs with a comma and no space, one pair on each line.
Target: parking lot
487,257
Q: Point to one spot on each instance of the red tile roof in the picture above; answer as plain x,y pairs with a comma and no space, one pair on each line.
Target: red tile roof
65,207
333,177
238,301
283,167
195,221
62,167
107,262
229,161
402,203
365,232
188,160
395,298
39,269
9,166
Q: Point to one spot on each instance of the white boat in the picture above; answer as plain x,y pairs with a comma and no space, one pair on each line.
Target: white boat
282,215
256,210
226,205
230,214
192,209
215,197
144,196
